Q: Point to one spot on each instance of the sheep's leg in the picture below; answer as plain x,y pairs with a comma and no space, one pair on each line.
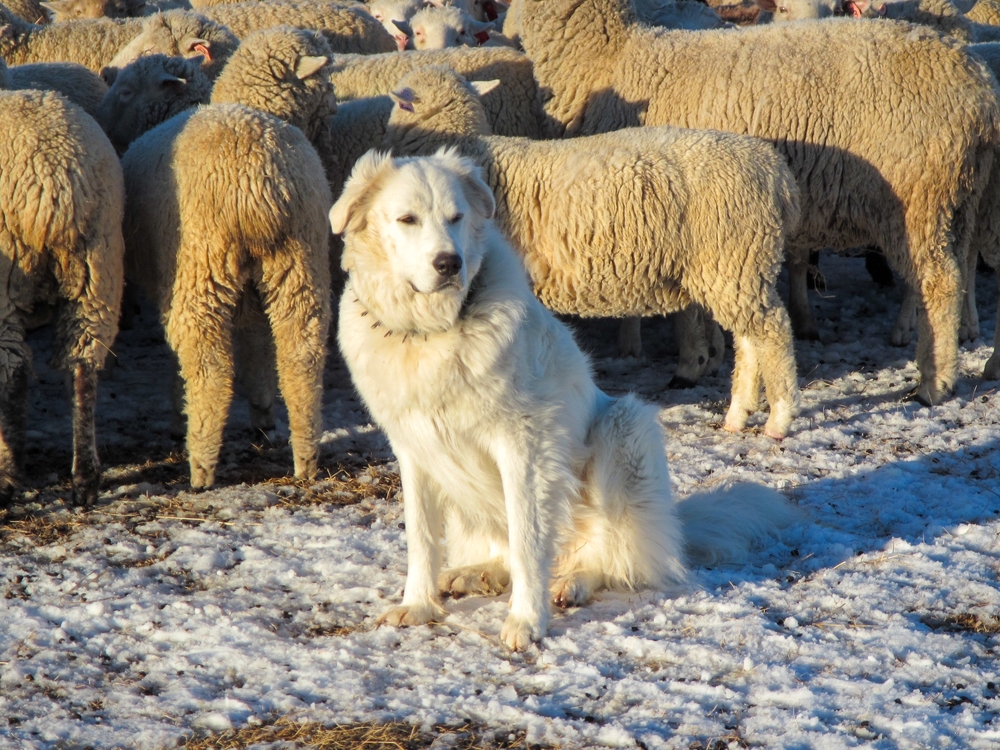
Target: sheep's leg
906,321
992,369
803,322
630,337
689,329
716,345
296,300
178,420
969,328
746,384
776,364
199,330
937,331
13,408
86,466
255,362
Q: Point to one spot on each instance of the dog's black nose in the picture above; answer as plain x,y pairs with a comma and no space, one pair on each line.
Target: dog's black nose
447,264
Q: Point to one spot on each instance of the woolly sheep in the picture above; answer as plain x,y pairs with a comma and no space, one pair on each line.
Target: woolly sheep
512,110
387,11
69,10
714,209
61,202
779,11
685,14
985,12
91,43
441,28
81,86
28,10
225,224
914,195
178,33
150,91
347,29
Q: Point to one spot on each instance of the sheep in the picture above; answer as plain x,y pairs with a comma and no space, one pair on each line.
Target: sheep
512,110
915,195
643,221
480,10
985,12
81,86
441,28
61,204
225,223
773,11
347,29
685,14
150,91
388,11
91,43
31,11
69,10
178,33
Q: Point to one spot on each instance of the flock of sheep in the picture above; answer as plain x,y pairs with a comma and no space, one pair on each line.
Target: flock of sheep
645,159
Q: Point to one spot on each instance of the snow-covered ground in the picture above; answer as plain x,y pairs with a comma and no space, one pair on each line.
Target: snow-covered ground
163,614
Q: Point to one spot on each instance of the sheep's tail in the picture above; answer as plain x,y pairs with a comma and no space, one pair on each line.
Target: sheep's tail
722,526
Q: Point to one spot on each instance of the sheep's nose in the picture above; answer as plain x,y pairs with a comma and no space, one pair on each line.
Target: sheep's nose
447,264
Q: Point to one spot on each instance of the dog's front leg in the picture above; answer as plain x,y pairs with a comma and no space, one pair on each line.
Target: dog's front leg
528,500
422,512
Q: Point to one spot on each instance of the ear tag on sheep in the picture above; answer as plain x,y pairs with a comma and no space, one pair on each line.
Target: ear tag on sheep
201,48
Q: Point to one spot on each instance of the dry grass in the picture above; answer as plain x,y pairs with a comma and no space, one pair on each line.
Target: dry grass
963,622
393,736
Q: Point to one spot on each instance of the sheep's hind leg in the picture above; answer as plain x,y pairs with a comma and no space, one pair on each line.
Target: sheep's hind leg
296,300
86,466
776,365
630,337
255,364
200,332
745,399
13,408
992,369
803,323
937,333
906,321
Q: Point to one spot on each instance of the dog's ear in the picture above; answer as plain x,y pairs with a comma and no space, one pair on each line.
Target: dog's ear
477,192
349,208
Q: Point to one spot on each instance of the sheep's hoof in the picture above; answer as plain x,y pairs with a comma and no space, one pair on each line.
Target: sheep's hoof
992,369
679,383
85,491
928,396
202,477
900,337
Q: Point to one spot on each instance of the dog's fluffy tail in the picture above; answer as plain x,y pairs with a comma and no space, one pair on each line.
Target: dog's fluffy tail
722,526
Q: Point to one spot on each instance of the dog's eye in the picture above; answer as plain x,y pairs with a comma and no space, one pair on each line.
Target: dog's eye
455,219
407,219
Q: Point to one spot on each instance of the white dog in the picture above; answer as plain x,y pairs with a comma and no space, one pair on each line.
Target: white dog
506,447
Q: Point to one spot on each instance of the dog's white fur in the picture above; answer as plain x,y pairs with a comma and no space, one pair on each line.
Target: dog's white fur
506,446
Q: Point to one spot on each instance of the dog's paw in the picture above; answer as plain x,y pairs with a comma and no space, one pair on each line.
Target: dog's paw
519,633
404,616
484,580
571,591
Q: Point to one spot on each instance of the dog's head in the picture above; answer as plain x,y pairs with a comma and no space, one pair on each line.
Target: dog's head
413,231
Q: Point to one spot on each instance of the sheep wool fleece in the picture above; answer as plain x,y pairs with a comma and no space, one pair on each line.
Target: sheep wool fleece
227,205
61,203
911,186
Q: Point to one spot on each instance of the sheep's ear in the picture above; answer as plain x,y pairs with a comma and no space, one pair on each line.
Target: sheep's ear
404,98
55,6
482,88
434,3
198,46
479,27
769,5
308,66
404,27
353,201
165,80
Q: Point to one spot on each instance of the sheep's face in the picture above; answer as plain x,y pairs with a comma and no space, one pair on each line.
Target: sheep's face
799,10
442,28
413,231
70,10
